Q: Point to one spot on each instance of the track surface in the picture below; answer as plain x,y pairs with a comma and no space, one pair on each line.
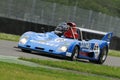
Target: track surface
7,49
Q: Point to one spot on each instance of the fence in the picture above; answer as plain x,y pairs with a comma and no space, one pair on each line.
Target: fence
38,11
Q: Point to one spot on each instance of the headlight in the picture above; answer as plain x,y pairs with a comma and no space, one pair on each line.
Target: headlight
63,49
23,39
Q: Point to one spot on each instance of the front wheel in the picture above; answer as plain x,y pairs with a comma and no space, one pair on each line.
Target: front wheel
27,51
75,54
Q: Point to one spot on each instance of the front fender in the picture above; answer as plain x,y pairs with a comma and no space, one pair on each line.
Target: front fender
71,47
29,33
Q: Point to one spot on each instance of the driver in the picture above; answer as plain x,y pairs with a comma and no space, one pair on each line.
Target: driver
67,30
72,31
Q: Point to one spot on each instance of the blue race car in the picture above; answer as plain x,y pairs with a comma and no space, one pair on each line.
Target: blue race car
94,50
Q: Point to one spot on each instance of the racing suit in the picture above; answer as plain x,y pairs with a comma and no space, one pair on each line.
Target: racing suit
72,31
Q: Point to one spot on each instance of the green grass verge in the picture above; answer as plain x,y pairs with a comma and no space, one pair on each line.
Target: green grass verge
10,71
79,66
10,37
114,53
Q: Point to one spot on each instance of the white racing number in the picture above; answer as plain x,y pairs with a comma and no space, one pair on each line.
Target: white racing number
96,50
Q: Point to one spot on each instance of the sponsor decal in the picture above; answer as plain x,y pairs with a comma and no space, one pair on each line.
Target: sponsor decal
68,54
60,40
85,44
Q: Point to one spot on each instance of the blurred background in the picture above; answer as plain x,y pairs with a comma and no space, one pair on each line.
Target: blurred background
18,16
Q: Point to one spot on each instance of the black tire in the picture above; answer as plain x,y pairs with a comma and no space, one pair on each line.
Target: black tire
102,56
75,54
27,51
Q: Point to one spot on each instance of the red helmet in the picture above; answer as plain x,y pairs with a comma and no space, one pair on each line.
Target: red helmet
72,24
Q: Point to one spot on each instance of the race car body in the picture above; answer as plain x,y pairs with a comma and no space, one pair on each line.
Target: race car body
93,50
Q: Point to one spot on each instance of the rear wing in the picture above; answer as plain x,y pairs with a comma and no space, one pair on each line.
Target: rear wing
92,31
107,36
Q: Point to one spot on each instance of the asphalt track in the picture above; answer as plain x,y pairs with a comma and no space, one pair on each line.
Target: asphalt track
7,49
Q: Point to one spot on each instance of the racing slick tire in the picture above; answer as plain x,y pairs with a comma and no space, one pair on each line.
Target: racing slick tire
74,54
102,56
27,51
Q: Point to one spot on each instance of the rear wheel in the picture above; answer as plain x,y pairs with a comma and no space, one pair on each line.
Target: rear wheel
27,51
102,56
75,54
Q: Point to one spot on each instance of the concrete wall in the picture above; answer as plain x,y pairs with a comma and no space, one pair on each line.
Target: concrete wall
18,27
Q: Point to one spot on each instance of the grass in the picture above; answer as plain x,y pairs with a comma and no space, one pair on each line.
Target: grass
114,53
81,67
11,37
9,71
18,72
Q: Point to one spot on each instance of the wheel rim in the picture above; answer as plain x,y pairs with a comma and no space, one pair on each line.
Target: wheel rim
75,53
104,55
